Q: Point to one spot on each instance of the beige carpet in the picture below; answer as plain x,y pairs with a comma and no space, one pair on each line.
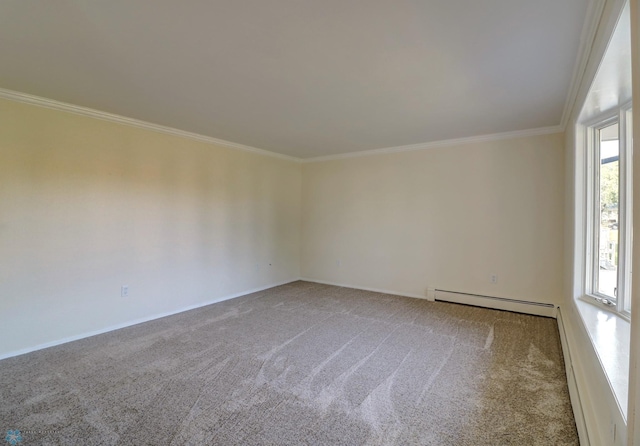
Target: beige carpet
300,364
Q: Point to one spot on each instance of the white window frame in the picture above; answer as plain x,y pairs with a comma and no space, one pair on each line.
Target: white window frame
621,303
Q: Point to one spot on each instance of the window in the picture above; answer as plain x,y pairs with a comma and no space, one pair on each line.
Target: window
609,207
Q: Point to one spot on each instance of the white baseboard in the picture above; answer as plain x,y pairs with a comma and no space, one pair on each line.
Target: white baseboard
535,308
574,390
497,303
138,321
356,287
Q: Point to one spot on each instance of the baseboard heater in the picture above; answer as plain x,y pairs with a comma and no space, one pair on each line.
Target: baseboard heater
498,303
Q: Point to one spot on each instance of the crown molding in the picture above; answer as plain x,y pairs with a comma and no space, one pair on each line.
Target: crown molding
444,143
592,20
92,113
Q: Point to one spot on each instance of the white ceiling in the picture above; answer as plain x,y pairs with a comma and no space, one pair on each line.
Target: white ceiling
300,77
611,86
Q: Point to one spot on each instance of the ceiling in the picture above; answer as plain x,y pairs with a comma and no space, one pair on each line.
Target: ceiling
299,77
611,86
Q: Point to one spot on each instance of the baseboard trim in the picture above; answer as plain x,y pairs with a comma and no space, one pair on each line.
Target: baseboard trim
138,321
497,303
355,287
534,308
574,390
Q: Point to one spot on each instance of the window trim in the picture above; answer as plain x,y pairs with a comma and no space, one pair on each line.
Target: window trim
621,303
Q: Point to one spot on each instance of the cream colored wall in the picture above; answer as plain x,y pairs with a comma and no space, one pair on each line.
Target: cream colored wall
89,205
446,218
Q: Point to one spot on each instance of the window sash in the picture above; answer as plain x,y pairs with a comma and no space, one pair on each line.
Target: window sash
596,215
620,303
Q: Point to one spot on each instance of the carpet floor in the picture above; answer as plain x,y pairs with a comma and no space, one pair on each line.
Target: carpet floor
300,364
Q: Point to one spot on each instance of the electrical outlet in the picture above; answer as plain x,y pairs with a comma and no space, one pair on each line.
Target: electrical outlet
124,291
494,278
339,263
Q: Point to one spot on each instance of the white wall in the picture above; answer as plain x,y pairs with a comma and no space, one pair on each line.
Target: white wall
445,217
89,205
603,413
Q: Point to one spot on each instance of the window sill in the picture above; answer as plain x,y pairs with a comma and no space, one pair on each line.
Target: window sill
610,336
591,299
